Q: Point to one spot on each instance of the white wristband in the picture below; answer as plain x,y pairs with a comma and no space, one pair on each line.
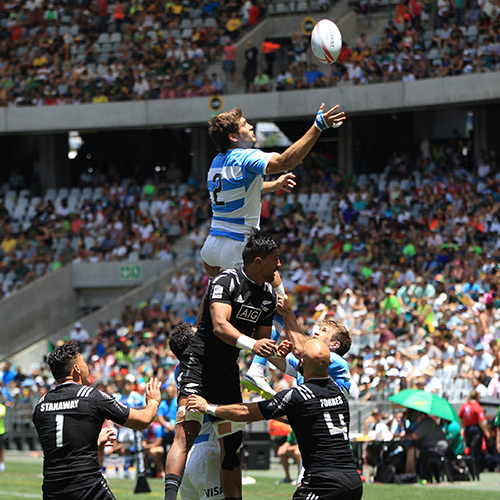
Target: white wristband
244,342
280,290
210,409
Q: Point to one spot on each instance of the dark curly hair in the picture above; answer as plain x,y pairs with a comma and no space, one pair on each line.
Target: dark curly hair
180,337
222,125
258,244
62,359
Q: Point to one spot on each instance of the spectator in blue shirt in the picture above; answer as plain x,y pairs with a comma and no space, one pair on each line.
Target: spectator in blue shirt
315,77
8,373
167,413
153,448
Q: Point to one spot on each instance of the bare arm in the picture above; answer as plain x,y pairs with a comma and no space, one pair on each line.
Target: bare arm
140,419
284,182
295,153
166,425
106,437
153,444
221,314
484,428
292,327
239,412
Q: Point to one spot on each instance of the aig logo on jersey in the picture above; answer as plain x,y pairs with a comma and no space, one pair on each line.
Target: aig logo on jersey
249,313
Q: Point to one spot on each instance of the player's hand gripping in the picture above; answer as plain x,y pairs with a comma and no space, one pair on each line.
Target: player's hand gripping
153,392
286,182
286,347
329,118
196,403
264,348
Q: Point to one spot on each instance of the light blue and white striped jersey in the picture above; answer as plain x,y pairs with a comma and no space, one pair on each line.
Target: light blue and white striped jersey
338,370
235,182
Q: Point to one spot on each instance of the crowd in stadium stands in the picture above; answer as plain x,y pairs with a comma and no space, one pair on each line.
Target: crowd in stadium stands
104,51
458,43
117,222
100,51
409,261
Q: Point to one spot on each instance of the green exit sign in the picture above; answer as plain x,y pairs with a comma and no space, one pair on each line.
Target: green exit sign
130,272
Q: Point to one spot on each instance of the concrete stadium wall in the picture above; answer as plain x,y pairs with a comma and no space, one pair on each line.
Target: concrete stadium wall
27,347
386,97
36,310
99,283
107,274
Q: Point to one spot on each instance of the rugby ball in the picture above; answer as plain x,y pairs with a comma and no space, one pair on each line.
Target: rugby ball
326,41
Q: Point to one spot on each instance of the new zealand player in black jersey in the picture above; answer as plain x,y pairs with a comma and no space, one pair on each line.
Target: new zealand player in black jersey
68,420
237,314
318,412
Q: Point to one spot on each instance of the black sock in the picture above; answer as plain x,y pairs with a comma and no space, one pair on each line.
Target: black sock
172,483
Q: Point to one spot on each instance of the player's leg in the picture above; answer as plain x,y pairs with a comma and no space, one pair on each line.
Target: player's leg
283,454
202,475
230,472
157,456
185,434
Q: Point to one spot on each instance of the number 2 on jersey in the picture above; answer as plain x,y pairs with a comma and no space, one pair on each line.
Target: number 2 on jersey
217,179
332,429
59,430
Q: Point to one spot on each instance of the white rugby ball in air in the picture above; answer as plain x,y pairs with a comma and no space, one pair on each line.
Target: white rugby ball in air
326,41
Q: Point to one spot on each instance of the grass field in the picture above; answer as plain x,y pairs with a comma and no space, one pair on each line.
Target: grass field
22,479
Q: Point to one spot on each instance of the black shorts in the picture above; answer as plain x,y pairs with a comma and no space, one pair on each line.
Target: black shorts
217,383
98,490
3,438
337,486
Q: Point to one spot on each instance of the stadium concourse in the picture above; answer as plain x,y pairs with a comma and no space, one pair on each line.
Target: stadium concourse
408,261
104,51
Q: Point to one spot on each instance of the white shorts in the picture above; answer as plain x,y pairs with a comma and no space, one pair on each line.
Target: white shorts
201,480
219,251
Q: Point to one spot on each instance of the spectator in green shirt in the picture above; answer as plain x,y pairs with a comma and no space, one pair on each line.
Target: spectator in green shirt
454,436
391,302
261,82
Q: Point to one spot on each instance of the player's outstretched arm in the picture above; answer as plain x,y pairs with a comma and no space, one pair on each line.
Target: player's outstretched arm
141,419
285,182
239,412
295,153
292,328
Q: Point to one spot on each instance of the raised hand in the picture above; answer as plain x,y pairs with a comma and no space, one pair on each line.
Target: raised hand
327,119
286,182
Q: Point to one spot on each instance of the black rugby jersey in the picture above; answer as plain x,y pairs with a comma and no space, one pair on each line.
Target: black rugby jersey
68,420
252,306
318,413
